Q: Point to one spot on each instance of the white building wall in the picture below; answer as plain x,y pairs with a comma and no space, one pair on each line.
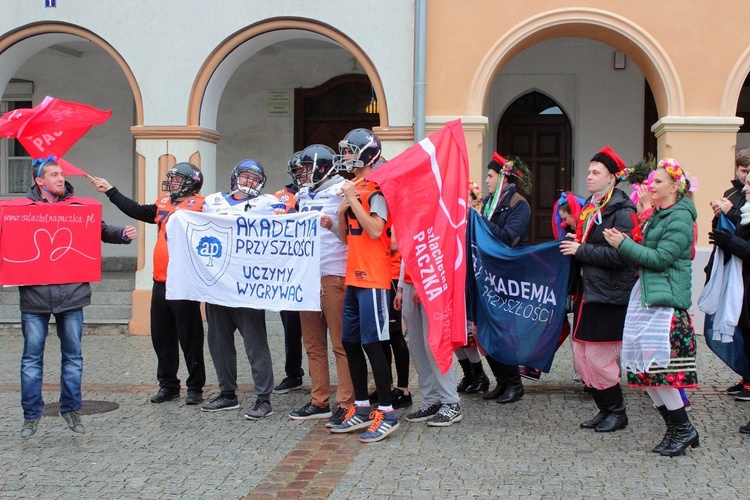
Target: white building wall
604,105
166,42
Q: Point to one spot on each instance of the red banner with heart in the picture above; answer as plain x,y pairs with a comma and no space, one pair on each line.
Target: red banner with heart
50,243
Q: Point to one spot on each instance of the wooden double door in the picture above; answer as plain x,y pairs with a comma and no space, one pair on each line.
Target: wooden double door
543,142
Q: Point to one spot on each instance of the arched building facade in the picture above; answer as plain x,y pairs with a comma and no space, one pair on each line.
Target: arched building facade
214,85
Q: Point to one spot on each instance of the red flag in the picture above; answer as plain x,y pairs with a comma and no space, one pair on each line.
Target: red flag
51,128
426,188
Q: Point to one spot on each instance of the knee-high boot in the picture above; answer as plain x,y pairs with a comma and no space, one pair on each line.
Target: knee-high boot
667,416
498,370
481,381
468,378
592,423
514,391
683,435
614,405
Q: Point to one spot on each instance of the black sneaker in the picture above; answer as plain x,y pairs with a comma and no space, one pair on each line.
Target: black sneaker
400,399
194,398
425,412
744,394
446,416
288,384
261,409
311,411
337,417
220,403
735,389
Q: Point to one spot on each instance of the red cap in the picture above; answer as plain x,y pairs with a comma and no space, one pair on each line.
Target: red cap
610,153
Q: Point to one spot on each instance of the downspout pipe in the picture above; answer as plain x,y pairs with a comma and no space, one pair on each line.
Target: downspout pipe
420,35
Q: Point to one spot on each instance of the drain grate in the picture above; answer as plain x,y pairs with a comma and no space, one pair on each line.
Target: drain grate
87,408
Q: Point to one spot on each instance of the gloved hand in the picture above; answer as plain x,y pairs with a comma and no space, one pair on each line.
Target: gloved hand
720,237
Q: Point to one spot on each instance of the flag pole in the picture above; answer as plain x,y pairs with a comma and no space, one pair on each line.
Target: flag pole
357,182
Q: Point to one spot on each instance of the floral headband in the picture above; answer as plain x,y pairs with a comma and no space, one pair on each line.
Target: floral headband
623,174
475,189
41,162
675,172
506,166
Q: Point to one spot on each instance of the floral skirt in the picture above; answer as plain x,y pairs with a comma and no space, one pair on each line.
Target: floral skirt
681,371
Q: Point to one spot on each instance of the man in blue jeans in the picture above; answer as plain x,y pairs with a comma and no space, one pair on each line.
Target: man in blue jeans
66,303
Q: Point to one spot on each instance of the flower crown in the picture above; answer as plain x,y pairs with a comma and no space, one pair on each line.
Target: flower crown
623,174
675,172
475,189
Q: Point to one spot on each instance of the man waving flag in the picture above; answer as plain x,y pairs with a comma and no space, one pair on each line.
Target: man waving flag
426,188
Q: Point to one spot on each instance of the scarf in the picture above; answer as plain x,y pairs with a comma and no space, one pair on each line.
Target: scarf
490,208
745,214
591,213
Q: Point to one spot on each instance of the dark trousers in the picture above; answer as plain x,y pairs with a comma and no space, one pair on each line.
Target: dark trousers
292,343
396,350
175,324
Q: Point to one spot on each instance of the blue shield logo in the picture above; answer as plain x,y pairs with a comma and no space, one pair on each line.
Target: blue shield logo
210,245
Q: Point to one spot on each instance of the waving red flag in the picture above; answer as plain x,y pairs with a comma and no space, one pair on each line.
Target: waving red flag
51,128
426,188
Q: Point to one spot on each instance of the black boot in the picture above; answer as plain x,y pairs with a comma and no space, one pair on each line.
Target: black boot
591,424
667,416
614,405
481,382
498,370
683,435
514,392
468,375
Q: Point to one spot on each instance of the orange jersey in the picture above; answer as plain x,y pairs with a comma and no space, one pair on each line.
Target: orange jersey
165,208
368,263
286,196
407,276
395,264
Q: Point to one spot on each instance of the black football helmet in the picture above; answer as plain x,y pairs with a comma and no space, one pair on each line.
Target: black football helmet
189,176
298,178
317,159
255,170
360,148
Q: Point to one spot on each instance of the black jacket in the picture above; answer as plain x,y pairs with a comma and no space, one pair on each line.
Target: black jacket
41,299
511,218
607,277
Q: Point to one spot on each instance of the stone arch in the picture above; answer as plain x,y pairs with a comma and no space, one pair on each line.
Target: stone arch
20,36
221,63
734,84
606,27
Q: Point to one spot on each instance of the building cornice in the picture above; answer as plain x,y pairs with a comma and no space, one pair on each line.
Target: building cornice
175,133
469,123
720,124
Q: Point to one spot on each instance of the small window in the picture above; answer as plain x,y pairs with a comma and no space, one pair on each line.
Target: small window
15,163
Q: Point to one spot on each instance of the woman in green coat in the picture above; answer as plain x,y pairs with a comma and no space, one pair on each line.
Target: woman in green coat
659,340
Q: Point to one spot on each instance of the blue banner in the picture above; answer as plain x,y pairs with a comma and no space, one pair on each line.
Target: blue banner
516,297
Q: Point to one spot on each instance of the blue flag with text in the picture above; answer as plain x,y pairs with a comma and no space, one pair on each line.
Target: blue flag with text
516,296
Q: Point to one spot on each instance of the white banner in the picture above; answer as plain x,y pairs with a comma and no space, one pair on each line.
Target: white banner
264,262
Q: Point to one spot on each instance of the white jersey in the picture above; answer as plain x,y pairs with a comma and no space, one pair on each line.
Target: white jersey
326,200
223,203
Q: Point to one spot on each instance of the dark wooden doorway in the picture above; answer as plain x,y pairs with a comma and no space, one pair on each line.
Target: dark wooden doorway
535,129
326,113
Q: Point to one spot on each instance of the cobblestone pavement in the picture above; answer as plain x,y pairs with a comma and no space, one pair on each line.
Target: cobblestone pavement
533,448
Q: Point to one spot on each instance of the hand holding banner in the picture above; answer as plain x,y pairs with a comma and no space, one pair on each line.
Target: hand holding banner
263,262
